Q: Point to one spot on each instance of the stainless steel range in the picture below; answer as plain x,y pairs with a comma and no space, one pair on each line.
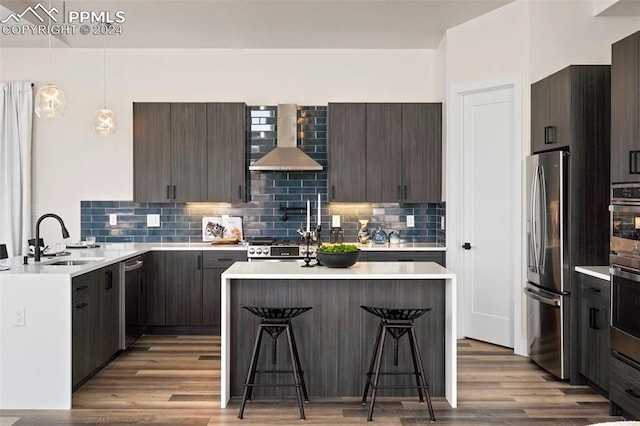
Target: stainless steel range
277,250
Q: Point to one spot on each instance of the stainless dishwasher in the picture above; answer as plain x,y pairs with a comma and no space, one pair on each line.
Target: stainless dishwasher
135,299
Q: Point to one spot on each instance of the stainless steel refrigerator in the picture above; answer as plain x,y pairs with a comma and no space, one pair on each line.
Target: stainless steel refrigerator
547,286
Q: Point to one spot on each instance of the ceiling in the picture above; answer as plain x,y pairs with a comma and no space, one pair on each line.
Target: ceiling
246,24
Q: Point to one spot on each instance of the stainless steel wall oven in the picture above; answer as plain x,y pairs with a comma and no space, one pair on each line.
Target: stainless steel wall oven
625,270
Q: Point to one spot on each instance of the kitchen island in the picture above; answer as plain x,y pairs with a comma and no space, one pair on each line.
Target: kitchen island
336,337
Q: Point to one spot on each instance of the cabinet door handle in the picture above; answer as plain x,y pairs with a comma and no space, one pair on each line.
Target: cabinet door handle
595,290
199,262
168,192
404,195
633,162
333,192
549,134
399,192
82,305
595,318
240,192
108,280
174,192
633,393
82,287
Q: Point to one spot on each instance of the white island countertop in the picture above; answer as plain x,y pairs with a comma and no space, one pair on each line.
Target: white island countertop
369,270
361,270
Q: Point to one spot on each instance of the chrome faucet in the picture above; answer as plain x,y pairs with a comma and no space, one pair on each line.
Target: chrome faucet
65,233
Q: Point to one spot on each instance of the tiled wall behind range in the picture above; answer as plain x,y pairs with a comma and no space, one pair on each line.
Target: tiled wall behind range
267,193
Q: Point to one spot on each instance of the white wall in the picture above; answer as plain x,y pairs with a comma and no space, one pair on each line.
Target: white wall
566,32
72,164
529,39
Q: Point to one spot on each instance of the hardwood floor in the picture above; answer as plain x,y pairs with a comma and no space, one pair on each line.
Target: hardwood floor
171,380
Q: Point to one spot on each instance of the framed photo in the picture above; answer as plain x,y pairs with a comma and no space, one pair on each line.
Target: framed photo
221,227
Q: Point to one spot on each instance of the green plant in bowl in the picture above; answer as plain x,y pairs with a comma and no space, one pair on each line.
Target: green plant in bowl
338,255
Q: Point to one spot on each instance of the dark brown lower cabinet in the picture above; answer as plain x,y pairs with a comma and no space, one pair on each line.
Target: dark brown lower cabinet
175,289
184,289
108,283
215,262
95,321
85,317
335,338
594,315
624,392
183,286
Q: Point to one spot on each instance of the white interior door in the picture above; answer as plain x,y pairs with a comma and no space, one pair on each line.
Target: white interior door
489,215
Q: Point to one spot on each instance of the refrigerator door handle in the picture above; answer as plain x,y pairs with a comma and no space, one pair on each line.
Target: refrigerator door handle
540,298
534,230
543,233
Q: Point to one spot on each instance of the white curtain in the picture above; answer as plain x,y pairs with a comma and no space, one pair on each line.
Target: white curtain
16,113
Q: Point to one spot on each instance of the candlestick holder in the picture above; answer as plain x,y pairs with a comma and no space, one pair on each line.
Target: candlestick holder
307,256
318,232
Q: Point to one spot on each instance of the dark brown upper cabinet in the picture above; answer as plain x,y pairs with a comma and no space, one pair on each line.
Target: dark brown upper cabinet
625,110
226,136
189,152
347,148
550,112
422,153
385,152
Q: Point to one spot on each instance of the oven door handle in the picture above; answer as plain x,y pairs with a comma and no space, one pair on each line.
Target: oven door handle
540,298
628,274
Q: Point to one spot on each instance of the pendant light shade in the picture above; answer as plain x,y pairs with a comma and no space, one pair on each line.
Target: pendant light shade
104,122
50,102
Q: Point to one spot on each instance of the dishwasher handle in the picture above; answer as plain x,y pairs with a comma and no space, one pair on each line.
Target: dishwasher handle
540,298
128,267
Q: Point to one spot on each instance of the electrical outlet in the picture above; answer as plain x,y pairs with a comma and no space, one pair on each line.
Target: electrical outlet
442,223
19,317
410,221
153,220
113,219
335,220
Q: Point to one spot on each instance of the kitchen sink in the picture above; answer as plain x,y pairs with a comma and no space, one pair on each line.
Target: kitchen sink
72,262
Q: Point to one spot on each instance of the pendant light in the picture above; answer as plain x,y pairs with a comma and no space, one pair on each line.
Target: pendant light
50,101
104,121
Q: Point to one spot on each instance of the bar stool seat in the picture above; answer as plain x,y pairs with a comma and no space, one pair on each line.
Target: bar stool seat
274,321
396,322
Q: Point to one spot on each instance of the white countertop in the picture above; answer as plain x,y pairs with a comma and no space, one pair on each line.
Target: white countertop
368,270
110,253
601,272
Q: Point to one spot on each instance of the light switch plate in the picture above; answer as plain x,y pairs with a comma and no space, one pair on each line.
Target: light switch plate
410,221
335,220
113,219
153,220
442,223
20,312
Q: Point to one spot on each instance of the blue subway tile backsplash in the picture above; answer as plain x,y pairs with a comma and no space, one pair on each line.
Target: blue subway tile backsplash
267,192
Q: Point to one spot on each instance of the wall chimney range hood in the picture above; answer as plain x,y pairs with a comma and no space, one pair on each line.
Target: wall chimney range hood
286,155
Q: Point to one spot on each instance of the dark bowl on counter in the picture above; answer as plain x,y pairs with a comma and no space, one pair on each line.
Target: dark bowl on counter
338,260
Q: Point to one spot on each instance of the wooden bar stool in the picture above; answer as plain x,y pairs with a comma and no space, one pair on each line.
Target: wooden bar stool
275,321
397,323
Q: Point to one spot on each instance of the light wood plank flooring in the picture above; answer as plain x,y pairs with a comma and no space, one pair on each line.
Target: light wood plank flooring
175,380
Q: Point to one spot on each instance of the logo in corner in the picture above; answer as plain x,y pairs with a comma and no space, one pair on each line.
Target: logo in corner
39,11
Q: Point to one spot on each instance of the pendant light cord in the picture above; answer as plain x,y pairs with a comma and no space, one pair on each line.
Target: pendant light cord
104,72
49,39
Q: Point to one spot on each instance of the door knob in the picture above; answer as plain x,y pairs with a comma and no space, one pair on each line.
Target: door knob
466,246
